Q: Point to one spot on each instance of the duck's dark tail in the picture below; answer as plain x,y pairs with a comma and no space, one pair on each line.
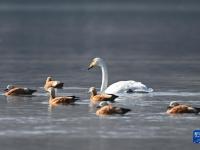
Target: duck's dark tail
32,91
112,99
122,110
75,98
59,86
114,96
198,109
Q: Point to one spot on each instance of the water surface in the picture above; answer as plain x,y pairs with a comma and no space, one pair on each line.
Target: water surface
152,43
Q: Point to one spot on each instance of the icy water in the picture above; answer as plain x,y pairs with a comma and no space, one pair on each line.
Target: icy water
156,43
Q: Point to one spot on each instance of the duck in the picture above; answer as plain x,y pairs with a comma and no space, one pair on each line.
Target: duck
106,108
53,100
177,108
12,90
52,83
120,87
95,98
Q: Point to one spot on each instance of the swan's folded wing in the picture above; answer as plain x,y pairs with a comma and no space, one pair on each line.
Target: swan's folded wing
125,86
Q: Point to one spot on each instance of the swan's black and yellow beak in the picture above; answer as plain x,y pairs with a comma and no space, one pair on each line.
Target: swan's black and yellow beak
92,64
90,67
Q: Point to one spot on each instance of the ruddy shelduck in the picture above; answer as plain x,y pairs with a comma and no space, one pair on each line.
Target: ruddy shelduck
95,98
12,90
105,108
177,108
52,83
60,100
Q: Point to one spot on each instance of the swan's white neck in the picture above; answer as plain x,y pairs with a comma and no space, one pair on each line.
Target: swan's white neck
104,70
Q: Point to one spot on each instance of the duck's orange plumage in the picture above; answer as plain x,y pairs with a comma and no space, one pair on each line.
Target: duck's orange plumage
176,108
95,98
108,109
16,91
60,100
51,83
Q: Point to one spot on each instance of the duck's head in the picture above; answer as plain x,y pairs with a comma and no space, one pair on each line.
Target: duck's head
95,62
91,90
49,79
173,104
103,103
9,87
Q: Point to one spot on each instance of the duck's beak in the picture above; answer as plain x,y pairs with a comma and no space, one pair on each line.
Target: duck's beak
98,106
169,107
5,90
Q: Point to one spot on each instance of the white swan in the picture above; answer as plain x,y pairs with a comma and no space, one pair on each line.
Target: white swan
120,87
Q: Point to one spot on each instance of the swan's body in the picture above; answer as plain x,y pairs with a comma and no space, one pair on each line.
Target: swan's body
120,87
129,86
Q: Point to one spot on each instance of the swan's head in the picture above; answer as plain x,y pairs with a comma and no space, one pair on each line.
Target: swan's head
49,79
103,103
95,62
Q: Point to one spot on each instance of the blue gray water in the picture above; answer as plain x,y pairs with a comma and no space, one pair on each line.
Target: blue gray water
154,42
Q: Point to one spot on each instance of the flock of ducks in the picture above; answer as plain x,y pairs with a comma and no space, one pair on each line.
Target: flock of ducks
105,98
